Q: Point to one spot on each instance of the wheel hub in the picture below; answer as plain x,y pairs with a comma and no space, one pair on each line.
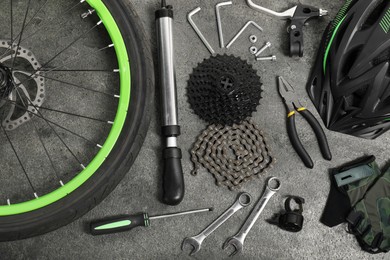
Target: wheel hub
6,83
22,89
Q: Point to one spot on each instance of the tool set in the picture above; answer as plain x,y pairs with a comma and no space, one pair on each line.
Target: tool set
349,85
225,91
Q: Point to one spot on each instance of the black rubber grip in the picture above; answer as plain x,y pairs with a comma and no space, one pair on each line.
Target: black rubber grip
118,224
319,132
173,180
296,143
170,130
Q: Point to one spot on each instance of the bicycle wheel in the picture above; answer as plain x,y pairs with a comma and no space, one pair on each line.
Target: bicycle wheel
76,81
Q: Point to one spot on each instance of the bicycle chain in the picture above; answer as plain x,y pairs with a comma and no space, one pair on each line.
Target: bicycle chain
233,154
224,90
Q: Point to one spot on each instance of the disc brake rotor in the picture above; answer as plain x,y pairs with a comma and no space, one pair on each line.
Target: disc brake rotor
28,92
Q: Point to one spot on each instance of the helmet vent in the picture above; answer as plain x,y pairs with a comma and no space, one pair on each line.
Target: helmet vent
374,16
383,57
355,99
325,99
348,63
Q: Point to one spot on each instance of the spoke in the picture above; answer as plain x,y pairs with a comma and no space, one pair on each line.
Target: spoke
34,72
74,70
12,20
79,86
48,120
71,44
21,35
46,22
47,153
51,127
13,40
76,115
40,28
17,157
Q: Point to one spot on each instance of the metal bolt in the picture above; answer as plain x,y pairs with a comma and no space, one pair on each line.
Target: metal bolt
266,46
323,12
253,49
253,38
270,58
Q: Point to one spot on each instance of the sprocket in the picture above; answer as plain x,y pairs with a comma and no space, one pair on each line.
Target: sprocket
224,90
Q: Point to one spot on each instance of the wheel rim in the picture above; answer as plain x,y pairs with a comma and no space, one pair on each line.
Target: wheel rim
124,99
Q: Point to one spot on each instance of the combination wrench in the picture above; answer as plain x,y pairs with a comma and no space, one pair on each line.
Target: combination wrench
237,241
243,200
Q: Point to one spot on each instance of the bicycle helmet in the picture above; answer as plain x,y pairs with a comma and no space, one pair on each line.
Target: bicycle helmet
350,83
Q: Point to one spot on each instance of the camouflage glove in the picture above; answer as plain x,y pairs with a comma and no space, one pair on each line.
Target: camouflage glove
370,217
349,184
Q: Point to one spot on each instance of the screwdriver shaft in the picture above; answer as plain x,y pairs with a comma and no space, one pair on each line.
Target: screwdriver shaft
181,213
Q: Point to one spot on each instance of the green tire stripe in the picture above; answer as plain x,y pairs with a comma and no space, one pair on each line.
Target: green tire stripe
124,100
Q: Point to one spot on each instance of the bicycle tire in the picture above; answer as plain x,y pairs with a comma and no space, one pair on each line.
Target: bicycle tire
119,161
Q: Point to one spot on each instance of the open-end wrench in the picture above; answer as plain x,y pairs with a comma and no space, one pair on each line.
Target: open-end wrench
237,241
243,200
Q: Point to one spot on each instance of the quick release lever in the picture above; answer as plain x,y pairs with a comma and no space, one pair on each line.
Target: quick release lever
173,181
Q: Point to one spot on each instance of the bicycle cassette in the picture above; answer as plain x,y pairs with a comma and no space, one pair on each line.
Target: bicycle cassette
224,90
233,154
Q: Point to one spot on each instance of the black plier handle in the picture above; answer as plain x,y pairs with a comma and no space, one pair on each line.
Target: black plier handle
296,142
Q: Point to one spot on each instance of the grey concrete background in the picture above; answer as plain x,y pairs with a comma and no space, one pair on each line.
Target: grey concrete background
139,191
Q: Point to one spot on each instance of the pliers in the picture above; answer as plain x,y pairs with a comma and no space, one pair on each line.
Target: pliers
293,105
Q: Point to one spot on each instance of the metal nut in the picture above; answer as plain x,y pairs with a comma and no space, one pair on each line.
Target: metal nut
253,38
253,50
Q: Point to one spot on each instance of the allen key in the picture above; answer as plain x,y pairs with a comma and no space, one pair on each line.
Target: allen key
198,32
219,23
242,30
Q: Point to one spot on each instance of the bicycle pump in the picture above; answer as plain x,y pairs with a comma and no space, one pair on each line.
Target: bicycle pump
173,180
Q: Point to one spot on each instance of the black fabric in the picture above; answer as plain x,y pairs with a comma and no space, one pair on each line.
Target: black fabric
338,205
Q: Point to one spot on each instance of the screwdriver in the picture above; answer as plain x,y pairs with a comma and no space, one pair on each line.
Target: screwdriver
128,222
